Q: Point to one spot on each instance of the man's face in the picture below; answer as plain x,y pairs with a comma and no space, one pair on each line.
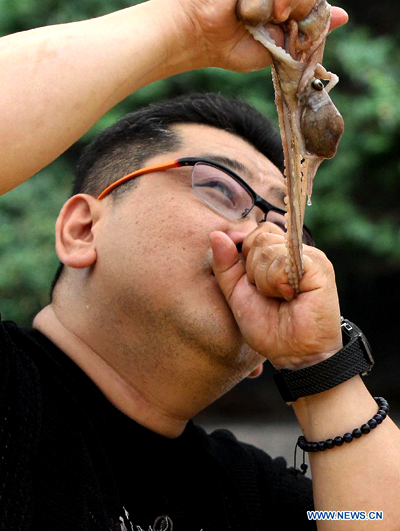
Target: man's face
154,260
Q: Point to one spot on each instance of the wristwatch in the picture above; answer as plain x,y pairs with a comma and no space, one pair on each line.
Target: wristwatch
354,358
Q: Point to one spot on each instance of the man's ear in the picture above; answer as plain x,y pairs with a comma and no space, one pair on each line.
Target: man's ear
75,243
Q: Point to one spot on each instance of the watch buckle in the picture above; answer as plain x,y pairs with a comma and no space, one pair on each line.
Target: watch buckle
347,328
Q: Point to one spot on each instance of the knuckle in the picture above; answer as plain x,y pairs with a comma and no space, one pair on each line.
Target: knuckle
320,258
259,239
317,255
265,256
280,261
263,239
261,282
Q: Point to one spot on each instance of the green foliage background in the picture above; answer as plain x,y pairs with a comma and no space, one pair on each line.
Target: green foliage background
355,214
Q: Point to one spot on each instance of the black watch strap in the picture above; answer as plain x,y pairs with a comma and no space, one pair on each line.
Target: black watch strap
354,358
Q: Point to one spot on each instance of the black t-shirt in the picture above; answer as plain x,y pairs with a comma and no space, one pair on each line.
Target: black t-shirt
71,461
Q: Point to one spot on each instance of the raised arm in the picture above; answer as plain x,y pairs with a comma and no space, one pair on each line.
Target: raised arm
57,81
295,333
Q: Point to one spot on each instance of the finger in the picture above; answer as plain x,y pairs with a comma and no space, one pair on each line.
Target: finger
266,268
269,272
318,271
262,239
227,266
254,12
339,17
299,9
296,9
267,228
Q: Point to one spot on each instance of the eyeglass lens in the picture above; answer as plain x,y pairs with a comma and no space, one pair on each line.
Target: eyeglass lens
226,195
220,191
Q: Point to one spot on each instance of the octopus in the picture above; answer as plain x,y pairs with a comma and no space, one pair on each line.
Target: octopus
309,122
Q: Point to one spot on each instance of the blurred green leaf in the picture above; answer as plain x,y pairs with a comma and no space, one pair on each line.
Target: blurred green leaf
355,214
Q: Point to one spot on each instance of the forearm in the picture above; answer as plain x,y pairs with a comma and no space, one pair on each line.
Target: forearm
362,475
58,81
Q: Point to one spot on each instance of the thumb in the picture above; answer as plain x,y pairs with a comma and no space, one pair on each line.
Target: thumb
227,265
339,17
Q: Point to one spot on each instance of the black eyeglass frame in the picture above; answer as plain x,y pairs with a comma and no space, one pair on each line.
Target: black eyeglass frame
258,201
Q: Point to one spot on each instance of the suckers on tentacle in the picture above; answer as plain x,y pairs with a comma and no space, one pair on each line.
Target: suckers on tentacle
310,124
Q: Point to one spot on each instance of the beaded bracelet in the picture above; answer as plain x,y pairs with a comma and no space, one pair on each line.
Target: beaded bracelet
371,424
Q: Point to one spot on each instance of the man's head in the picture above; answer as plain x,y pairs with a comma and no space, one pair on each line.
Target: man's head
138,136
139,271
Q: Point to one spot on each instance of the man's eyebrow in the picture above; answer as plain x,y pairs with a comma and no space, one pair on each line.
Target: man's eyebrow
232,164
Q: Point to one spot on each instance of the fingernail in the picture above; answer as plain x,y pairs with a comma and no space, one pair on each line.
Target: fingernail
285,14
287,293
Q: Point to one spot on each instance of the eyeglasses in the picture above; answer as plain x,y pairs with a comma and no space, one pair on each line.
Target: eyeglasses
220,188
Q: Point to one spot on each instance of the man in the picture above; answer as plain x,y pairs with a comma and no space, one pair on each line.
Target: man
170,294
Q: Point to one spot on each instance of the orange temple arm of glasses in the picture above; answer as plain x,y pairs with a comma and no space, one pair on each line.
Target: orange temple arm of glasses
137,173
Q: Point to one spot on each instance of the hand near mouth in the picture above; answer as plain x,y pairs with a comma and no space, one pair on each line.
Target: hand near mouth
290,332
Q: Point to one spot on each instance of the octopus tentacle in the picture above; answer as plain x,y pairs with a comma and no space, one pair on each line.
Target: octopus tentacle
310,124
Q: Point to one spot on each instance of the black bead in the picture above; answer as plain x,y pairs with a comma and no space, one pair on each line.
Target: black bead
338,441
357,433
329,443
304,467
382,413
372,423
378,418
313,447
295,471
384,408
302,444
321,446
365,428
347,437
306,447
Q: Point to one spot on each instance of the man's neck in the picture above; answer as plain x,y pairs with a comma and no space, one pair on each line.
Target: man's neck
127,398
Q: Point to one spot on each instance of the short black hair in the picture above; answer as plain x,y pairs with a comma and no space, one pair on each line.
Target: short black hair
126,145
140,135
